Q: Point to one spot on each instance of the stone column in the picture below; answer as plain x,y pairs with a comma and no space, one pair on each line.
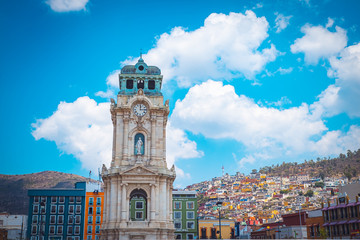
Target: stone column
153,197
157,203
119,201
108,190
170,215
163,196
125,140
153,136
123,203
113,200
104,217
113,118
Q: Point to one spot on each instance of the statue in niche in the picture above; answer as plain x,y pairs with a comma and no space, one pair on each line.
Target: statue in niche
138,146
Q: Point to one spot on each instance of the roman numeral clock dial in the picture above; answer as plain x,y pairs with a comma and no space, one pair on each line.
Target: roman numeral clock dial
140,110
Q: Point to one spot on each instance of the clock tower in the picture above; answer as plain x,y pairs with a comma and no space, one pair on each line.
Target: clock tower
138,184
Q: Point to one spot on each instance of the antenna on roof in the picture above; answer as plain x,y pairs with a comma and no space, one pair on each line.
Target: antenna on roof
140,53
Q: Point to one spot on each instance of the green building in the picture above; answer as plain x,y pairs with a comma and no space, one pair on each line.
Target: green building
185,214
138,209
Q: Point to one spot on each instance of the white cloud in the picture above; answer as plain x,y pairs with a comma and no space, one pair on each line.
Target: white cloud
330,23
227,46
178,146
83,128
216,111
67,5
343,96
318,42
335,142
281,22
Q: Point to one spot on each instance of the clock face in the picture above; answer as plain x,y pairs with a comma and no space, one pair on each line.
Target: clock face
140,110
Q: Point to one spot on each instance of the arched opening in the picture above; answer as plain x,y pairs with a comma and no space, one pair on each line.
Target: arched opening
139,144
138,205
140,84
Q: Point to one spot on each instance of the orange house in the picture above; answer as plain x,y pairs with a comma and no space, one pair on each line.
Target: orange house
94,205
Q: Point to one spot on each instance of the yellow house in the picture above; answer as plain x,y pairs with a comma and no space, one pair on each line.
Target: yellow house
209,228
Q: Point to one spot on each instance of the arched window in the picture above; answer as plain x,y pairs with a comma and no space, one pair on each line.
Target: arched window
140,84
138,205
130,84
139,144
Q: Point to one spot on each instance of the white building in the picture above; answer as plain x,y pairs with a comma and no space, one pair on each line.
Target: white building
138,169
15,225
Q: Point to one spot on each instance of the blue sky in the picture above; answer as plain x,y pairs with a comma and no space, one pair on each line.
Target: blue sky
250,83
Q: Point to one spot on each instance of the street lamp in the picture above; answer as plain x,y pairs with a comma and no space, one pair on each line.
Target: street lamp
219,204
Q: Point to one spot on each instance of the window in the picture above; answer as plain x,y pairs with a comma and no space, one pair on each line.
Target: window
61,209
43,199
69,230
189,236
97,229
98,201
76,238
36,199
59,229
71,209
177,215
98,210
139,205
52,230
140,84
77,219
89,237
177,205
69,238
35,219
89,230
33,229
91,201
177,225
53,209
61,199
90,219
71,199
178,236
190,215
138,215
36,209
97,237
190,205
70,219
78,209
151,84
129,84
78,199
77,230
60,219
190,225
98,220
90,211
42,209
52,219
53,199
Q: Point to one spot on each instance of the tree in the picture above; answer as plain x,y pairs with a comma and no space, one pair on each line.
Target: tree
309,193
254,171
319,184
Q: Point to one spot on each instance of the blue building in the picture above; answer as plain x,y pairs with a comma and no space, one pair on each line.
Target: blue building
56,213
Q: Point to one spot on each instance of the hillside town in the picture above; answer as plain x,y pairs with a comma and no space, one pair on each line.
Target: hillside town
257,198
